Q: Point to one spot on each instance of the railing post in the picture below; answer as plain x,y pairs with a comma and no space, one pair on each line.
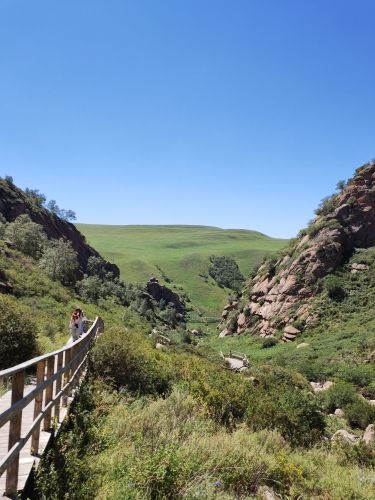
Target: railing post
67,375
18,382
40,370
58,385
49,393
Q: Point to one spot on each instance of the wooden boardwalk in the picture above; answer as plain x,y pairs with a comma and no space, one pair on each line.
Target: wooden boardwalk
33,408
26,459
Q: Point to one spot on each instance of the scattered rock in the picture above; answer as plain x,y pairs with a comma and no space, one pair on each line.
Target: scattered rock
291,330
267,493
241,320
369,435
225,333
339,413
358,267
319,386
302,345
371,402
344,435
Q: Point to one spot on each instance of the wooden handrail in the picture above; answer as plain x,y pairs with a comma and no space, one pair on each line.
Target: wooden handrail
31,362
58,373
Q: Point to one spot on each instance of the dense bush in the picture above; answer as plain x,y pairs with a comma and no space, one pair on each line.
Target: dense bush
339,395
334,288
226,273
17,334
294,413
360,413
129,360
269,342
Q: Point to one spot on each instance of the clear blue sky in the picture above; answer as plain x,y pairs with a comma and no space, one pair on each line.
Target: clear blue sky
233,113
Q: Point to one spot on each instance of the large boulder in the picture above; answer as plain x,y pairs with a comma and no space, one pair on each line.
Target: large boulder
369,435
344,435
159,292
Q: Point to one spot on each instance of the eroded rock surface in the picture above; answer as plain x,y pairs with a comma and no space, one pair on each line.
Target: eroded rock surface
279,298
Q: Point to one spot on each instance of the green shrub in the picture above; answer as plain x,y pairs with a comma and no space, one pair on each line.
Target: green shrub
339,395
269,342
360,413
130,361
294,413
334,288
327,205
17,334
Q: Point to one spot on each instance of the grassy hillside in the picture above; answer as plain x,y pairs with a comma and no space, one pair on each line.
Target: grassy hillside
180,254
340,344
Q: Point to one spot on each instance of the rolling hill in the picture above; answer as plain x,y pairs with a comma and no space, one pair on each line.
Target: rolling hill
180,256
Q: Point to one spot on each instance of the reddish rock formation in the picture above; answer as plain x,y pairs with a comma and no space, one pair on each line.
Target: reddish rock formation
159,292
282,292
14,202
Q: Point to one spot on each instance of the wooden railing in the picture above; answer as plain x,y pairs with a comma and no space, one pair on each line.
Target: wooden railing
57,375
163,339
236,355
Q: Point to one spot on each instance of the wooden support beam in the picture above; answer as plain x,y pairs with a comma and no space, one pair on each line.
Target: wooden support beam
18,382
40,372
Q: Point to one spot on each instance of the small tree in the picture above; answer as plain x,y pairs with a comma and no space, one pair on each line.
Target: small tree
340,185
38,197
68,215
53,207
26,236
60,261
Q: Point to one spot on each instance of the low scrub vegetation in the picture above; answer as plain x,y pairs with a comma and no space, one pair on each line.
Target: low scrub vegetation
205,433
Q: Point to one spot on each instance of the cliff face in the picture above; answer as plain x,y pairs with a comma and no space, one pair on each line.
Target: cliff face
15,202
279,297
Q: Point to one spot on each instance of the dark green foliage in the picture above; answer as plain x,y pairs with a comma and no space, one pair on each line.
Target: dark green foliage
226,273
17,334
294,413
339,395
340,185
269,342
360,413
334,288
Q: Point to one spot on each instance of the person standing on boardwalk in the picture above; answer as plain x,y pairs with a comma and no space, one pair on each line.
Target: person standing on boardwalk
76,324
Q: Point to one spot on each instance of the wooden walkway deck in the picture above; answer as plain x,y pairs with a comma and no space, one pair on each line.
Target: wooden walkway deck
34,407
26,459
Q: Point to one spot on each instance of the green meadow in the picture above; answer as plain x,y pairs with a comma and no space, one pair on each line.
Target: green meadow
179,256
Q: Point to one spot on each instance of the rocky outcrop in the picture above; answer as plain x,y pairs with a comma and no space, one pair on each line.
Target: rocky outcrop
159,292
279,298
15,202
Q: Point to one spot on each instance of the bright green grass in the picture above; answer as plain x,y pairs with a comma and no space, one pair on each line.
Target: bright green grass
181,253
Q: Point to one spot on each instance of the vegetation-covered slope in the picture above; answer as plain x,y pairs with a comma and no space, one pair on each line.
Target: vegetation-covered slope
180,255
152,425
